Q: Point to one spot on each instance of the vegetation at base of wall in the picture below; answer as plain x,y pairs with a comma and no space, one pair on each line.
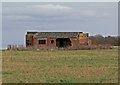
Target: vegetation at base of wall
60,66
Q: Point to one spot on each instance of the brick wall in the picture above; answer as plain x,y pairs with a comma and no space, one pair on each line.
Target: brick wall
83,38
31,41
74,42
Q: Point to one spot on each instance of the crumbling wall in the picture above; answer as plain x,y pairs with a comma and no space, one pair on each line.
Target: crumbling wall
83,38
74,42
51,42
29,38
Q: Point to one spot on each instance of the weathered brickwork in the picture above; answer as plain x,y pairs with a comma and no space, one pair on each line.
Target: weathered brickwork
56,39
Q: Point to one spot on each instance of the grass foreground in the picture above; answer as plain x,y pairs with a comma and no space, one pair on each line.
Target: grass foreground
60,66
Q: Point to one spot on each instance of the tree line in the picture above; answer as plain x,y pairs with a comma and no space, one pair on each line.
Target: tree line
109,40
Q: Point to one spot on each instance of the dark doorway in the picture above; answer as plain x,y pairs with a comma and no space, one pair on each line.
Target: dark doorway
63,42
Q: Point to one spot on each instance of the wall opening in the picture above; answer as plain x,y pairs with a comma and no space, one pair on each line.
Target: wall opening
42,41
63,42
52,41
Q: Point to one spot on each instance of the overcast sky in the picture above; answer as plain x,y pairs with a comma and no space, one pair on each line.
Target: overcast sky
92,17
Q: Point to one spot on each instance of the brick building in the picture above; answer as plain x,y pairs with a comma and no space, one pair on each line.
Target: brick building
56,39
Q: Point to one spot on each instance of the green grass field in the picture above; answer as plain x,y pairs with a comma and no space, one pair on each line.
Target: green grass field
60,66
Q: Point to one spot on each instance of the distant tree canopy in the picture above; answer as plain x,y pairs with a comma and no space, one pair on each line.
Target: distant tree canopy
109,40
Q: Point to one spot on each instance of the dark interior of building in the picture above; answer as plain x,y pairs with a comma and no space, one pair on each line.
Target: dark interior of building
63,42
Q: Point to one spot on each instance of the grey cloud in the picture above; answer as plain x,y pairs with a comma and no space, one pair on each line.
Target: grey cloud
39,10
49,10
